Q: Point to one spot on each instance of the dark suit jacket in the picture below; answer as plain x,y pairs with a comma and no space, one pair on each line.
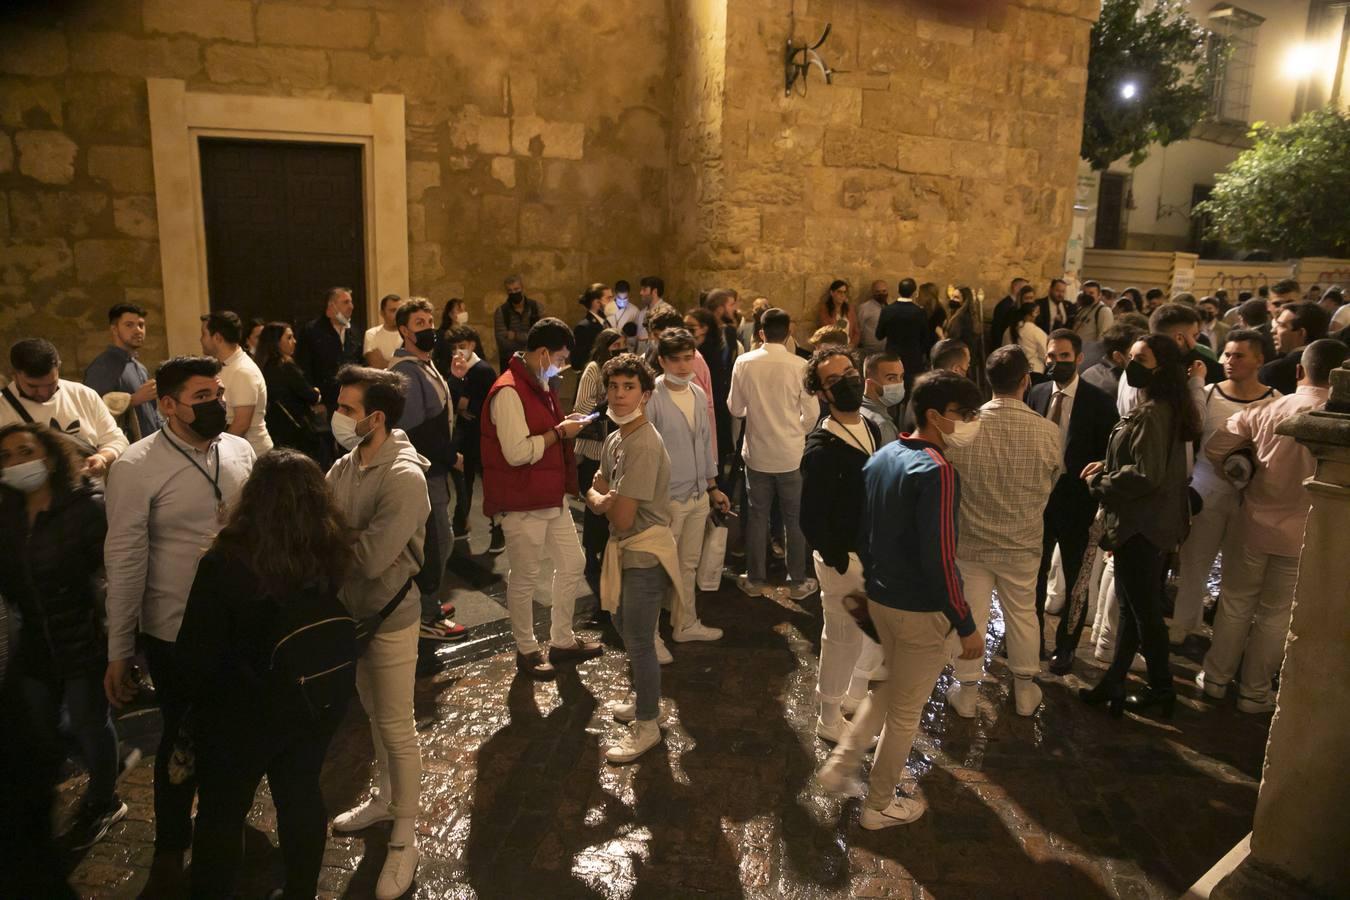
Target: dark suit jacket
1281,373
905,329
584,335
1002,314
320,353
1090,423
1043,317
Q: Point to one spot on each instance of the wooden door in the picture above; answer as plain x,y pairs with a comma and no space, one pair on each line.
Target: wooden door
284,222
1110,212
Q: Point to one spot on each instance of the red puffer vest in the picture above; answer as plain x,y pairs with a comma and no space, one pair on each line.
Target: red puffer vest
508,488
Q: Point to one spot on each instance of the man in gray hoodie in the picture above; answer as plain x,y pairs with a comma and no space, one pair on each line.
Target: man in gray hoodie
381,488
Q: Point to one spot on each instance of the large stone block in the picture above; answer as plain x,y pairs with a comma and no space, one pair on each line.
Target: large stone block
121,54
32,51
127,170
135,216
34,262
56,214
548,270
104,110
549,226
229,63
498,220
855,147
532,136
403,31
422,175
25,103
48,156
231,20
305,26
124,262
503,169
925,156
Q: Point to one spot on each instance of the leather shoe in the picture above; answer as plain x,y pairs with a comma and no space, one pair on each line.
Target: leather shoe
578,652
536,666
1061,662
1164,701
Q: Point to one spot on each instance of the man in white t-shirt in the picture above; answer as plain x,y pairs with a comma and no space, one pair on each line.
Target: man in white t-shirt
382,340
245,388
38,393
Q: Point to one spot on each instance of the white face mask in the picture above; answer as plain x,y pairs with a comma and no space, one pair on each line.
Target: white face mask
893,394
343,320
344,431
678,380
26,477
962,434
461,318
625,419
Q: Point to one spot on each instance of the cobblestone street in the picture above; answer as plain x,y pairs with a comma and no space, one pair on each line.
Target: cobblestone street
518,802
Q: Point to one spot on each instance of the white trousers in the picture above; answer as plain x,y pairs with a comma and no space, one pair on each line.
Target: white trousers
1107,621
1055,593
1215,528
529,536
1015,580
844,649
384,682
1252,624
688,520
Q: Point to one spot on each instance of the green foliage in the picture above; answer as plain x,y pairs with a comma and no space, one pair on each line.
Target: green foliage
1290,193
1161,52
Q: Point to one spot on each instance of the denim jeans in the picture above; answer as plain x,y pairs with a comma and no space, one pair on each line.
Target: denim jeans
761,489
639,610
90,723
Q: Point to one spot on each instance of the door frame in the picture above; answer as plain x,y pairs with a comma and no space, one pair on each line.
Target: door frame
179,117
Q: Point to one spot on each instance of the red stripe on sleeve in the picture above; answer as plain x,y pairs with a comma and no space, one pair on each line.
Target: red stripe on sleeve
948,533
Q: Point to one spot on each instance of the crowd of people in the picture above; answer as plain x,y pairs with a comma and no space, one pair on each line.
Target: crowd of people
264,531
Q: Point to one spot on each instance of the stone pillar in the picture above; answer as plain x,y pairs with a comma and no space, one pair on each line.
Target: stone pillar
1300,833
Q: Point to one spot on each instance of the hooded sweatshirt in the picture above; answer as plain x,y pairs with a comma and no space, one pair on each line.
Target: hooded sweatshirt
386,505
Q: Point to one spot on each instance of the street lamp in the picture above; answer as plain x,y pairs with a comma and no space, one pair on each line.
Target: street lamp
1129,90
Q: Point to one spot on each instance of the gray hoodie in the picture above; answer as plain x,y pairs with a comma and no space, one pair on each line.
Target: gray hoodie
386,504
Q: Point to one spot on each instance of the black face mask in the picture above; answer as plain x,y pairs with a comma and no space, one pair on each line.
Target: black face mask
209,419
1062,371
516,297
1138,375
1206,315
880,298
847,393
426,339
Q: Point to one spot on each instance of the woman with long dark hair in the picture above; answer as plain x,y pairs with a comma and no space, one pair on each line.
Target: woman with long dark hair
928,300
291,399
1142,487
718,344
834,310
53,522
453,315
590,395
273,572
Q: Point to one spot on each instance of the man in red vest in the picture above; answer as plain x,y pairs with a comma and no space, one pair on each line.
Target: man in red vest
528,470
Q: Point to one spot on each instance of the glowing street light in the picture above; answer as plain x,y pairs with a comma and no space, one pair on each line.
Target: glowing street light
1129,90
1304,61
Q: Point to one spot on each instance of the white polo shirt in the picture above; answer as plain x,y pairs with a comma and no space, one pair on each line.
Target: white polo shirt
245,386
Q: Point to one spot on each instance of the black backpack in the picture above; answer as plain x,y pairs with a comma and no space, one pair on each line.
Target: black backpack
313,661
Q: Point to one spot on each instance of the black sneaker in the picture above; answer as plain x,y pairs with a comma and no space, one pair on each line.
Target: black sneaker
498,542
91,824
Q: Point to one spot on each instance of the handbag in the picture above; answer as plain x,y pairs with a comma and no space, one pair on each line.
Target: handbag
713,558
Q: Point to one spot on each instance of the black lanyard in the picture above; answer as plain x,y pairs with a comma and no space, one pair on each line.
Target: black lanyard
214,482
853,438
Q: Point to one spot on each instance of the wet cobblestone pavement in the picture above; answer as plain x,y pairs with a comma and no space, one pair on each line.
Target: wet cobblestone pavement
518,802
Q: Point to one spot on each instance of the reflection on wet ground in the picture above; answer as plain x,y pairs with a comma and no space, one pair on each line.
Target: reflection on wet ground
517,801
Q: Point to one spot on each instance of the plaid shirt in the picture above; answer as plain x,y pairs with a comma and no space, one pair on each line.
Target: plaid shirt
1006,478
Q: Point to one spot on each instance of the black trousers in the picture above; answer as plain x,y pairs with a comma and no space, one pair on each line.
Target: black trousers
1067,527
594,529
230,764
173,802
1141,573
464,491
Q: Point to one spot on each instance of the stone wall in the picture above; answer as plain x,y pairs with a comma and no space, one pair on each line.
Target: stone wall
536,140
572,142
945,149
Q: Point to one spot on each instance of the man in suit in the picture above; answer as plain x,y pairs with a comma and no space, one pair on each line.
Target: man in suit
904,327
1085,416
1004,310
1297,326
1052,310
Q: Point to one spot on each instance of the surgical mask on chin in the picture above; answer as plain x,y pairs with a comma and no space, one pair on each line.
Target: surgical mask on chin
962,434
624,419
343,320
344,431
678,380
26,477
893,394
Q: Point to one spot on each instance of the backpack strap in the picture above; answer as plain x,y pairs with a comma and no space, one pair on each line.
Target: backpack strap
392,605
18,407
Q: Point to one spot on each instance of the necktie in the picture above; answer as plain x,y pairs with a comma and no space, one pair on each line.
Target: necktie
1056,407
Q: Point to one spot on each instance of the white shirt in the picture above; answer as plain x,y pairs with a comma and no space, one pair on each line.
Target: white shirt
76,411
1069,391
245,386
684,402
519,447
768,390
1034,344
1341,319
382,339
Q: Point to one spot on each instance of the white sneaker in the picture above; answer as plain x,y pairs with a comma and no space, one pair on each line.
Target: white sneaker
624,710
1212,690
663,652
962,697
641,737
359,818
849,705
751,588
835,778
1026,696
800,590
834,733
399,868
697,632
1257,706
902,811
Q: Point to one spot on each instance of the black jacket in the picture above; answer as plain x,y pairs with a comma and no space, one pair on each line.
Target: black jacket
320,353
475,385
904,327
1143,486
1002,318
832,493
1049,319
1090,423
584,334
1282,373
290,397
51,575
